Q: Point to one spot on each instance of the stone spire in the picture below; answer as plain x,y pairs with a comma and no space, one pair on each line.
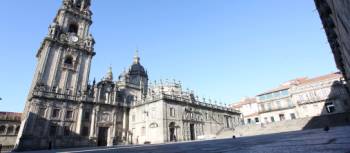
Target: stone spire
136,57
109,75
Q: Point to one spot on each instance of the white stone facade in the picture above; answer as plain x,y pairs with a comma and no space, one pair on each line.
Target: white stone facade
170,114
249,110
298,98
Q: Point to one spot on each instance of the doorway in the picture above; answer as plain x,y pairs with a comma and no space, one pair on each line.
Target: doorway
102,136
172,131
193,137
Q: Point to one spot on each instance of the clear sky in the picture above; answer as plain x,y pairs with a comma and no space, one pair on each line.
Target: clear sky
222,49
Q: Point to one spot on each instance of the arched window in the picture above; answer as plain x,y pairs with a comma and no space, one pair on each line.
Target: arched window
68,60
10,130
2,129
78,4
73,28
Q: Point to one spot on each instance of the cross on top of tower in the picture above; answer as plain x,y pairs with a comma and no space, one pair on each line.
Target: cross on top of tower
136,57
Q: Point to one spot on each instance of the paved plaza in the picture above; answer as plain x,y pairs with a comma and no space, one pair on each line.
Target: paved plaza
337,140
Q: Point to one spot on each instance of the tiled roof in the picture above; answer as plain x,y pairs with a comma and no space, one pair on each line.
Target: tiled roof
302,81
321,78
244,102
282,87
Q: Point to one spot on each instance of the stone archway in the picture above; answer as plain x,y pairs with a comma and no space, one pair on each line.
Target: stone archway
172,131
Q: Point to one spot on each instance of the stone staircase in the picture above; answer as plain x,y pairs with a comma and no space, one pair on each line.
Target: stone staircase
259,129
332,120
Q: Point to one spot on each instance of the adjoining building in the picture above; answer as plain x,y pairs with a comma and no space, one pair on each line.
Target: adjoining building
249,109
180,113
321,95
335,17
276,104
9,127
299,98
63,110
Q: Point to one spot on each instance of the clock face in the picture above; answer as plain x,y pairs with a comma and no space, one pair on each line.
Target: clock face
74,38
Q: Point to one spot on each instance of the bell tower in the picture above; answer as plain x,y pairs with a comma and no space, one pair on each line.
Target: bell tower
64,57
60,85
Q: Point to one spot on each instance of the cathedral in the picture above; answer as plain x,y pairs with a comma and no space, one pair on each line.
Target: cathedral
64,110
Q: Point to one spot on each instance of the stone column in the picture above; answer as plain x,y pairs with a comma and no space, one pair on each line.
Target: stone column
115,97
48,116
124,134
93,122
6,127
62,118
33,112
79,118
114,127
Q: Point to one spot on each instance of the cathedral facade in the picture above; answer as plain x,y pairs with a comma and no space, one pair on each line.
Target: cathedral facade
63,110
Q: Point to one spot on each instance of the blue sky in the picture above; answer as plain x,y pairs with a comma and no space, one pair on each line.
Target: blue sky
222,49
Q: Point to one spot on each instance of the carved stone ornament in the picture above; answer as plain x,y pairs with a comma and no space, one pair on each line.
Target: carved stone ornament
153,125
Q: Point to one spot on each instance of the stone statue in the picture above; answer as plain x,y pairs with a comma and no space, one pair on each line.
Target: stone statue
89,42
67,3
53,30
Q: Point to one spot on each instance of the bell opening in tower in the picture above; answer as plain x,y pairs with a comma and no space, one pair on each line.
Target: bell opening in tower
73,28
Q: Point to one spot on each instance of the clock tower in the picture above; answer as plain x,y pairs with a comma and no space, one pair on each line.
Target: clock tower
64,57
60,84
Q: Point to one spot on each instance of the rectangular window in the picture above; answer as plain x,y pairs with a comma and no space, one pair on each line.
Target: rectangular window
272,119
256,120
69,114
268,96
53,130
290,103
55,113
276,94
262,97
262,106
249,120
292,116
269,106
66,131
87,116
133,118
281,117
85,131
279,105
284,92
172,112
